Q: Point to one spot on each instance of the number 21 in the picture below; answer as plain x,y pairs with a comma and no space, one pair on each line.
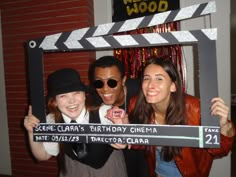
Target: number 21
211,139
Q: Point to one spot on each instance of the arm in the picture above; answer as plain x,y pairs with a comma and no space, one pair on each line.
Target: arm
227,130
220,109
37,148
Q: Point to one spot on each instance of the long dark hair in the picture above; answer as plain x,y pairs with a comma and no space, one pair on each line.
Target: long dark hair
143,112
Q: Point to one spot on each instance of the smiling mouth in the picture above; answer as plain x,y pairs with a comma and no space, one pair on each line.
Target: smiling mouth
107,98
72,107
107,95
152,93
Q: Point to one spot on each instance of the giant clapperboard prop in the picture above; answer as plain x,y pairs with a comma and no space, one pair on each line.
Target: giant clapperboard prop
100,38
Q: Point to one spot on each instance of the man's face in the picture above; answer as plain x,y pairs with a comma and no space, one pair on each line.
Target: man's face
109,85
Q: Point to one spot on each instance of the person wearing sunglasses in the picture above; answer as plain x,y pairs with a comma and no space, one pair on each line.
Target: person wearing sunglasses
108,80
67,104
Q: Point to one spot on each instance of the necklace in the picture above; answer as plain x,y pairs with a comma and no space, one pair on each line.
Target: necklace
123,106
125,95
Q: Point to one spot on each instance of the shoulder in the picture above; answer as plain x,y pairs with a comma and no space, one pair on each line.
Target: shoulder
189,99
192,109
192,102
51,148
132,103
50,118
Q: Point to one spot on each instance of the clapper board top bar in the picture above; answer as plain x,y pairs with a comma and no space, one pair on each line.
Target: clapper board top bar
135,40
70,40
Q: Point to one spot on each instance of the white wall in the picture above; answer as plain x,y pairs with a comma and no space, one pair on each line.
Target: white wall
5,160
219,20
102,14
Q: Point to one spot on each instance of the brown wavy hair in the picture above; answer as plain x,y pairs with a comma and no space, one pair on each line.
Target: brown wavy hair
143,112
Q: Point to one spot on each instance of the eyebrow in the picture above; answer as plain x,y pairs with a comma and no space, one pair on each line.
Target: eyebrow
155,75
115,78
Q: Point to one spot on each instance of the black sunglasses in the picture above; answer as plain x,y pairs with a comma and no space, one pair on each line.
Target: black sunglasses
112,83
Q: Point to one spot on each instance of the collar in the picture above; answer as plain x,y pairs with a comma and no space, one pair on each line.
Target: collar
82,118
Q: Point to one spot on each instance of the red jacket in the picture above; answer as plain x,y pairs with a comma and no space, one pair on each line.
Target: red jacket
194,161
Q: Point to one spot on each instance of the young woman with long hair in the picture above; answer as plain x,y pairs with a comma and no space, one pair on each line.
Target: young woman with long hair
163,102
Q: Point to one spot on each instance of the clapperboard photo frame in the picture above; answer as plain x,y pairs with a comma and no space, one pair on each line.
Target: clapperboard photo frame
100,37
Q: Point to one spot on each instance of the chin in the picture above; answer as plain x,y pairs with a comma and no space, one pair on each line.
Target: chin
74,115
151,101
109,102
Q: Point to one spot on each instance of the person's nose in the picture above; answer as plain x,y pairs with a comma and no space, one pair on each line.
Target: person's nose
151,83
71,99
105,87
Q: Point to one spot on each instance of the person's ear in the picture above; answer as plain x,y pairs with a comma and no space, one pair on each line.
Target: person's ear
173,87
54,103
